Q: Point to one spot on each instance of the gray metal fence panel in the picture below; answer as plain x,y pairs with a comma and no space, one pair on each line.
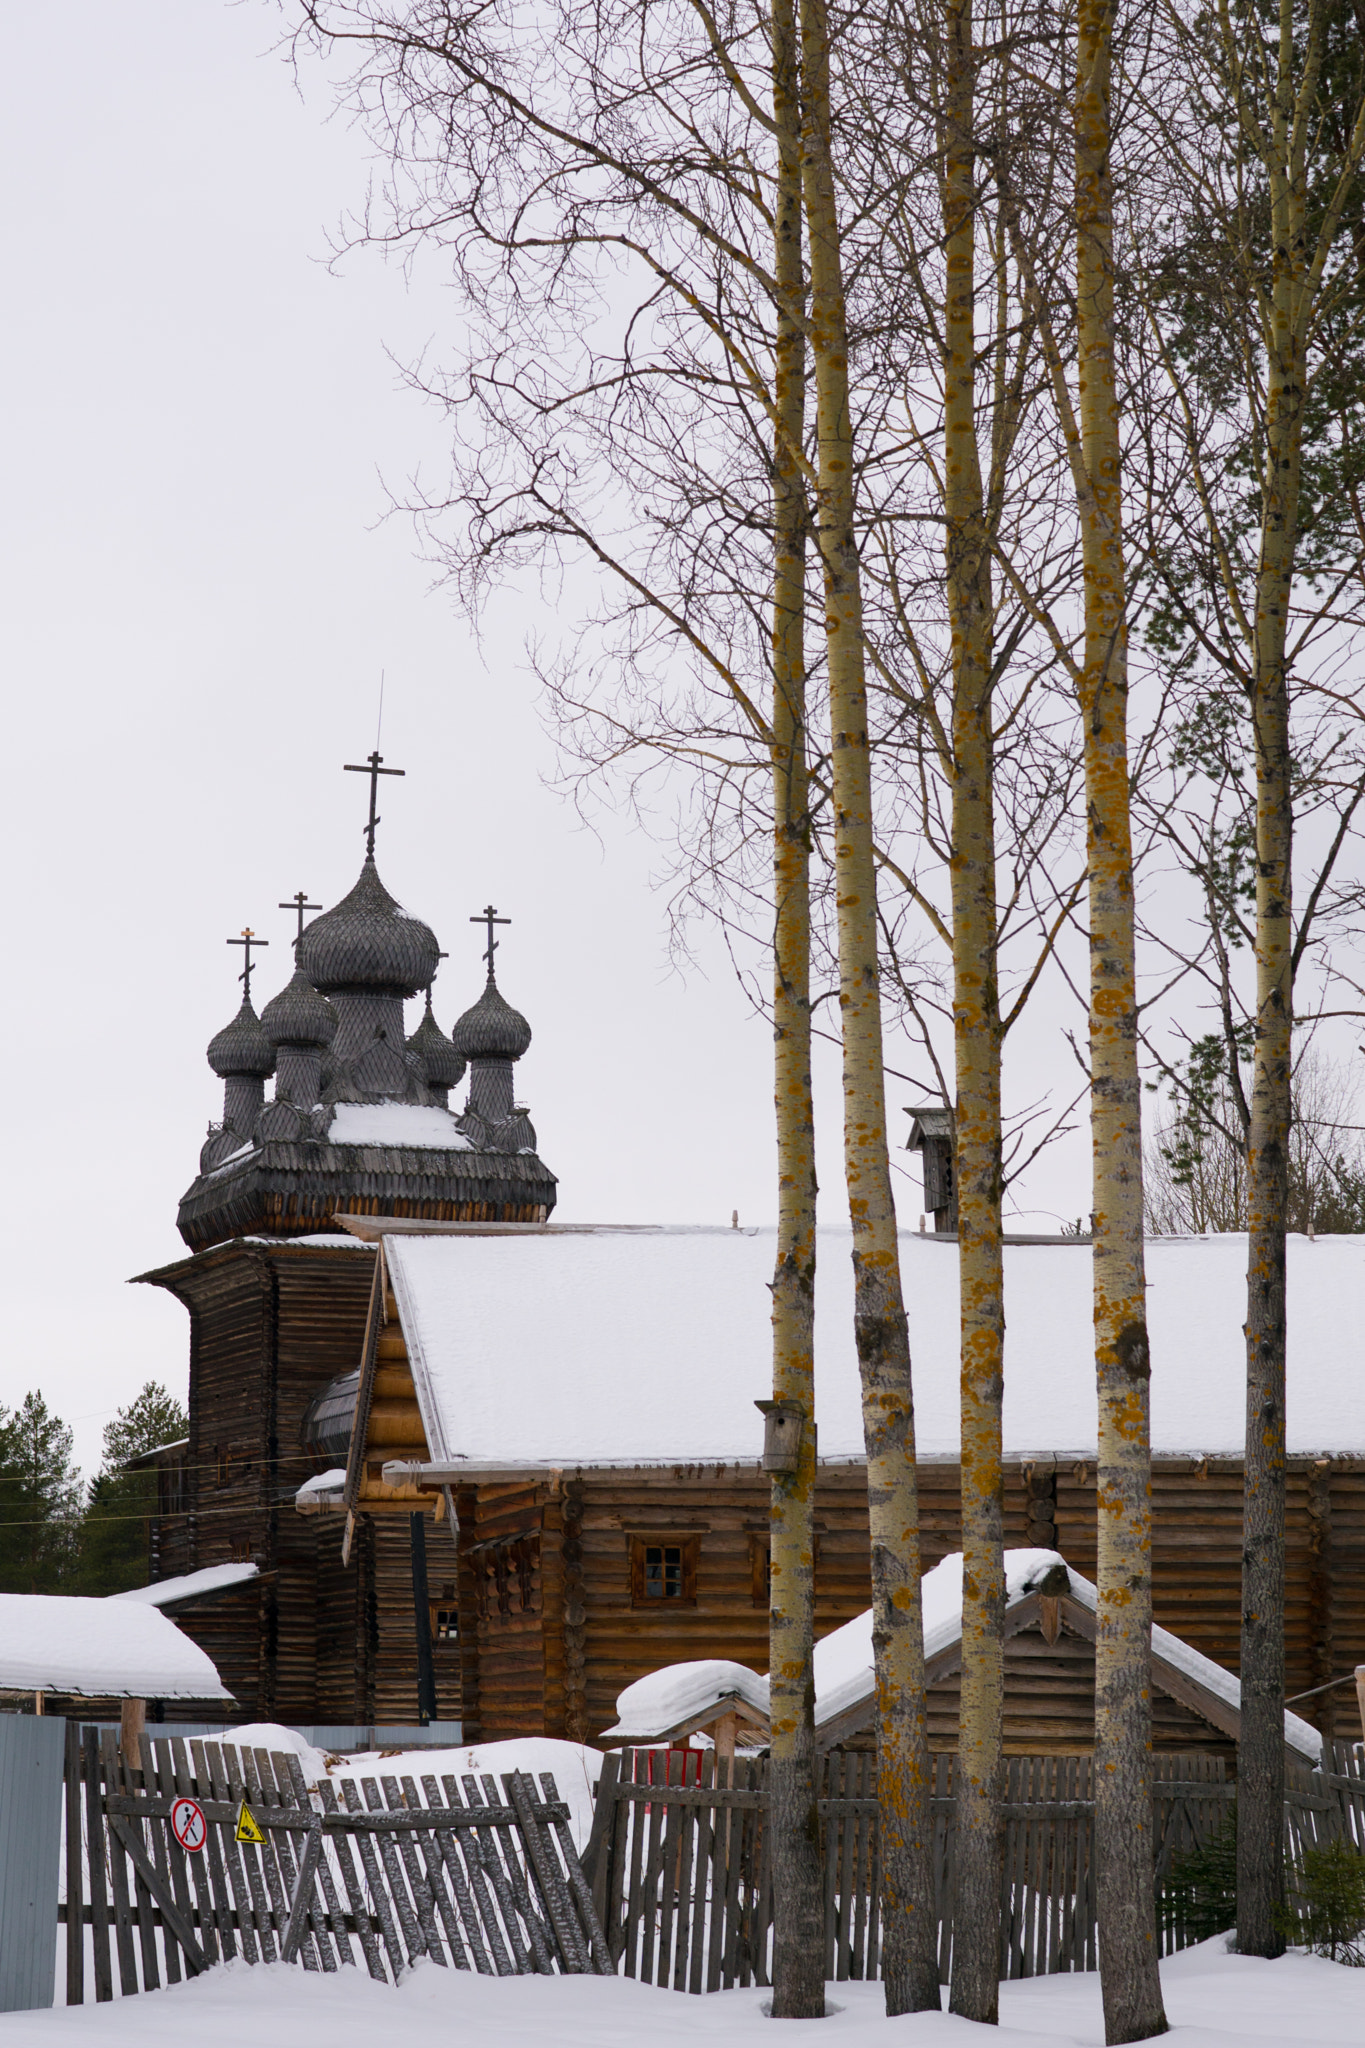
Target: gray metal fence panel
31,1752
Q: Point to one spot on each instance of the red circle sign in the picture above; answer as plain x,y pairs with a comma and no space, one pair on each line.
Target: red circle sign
188,1824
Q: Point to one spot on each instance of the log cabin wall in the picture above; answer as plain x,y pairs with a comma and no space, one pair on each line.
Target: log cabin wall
270,1325
558,1666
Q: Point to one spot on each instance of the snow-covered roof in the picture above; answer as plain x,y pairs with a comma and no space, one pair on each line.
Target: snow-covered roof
683,1697
559,1348
323,1490
843,1659
395,1123
215,1578
100,1649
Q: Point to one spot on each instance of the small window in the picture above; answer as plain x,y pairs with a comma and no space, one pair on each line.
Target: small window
445,1625
663,1569
240,1547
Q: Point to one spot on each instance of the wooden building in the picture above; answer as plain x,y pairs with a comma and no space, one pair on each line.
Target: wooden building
392,1347
583,1400
359,1119
1049,1699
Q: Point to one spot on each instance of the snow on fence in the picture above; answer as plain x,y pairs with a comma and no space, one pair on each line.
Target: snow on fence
162,1868
682,1882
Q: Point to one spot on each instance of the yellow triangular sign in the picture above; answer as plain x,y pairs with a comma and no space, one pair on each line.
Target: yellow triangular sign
248,1827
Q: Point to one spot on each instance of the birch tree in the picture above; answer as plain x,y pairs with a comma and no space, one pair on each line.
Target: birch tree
1269,175
909,1956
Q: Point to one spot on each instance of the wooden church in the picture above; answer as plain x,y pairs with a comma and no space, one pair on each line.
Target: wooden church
491,1469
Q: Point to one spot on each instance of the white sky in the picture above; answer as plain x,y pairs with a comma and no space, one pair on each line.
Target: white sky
199,598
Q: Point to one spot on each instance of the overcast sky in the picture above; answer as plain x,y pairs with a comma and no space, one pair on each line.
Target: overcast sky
201,595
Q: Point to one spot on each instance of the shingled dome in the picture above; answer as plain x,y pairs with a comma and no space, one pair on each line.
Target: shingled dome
241,1047
442,1066
368,942
492,1030
298,1015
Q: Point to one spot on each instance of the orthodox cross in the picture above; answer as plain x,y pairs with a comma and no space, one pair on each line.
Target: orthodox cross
371,767
489,916
299,902
246,942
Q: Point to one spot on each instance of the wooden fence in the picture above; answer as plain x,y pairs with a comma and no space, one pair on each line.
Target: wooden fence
483,1878
682,1884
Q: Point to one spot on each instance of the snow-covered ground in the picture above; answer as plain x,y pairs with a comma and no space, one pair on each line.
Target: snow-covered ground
1213,2000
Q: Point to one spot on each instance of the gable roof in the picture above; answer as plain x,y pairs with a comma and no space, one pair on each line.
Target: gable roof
545,1348
682,1697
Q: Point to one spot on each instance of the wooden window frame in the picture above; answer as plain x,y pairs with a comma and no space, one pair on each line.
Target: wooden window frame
688,1542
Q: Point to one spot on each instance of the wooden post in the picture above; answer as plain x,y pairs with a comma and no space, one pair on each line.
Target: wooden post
427,1711
132,1720
724,1733
1360,1693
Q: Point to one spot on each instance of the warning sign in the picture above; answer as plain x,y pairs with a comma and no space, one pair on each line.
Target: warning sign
188,1824
248,1827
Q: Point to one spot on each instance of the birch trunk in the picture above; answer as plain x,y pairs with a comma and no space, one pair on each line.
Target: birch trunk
976,1039
794,1820
909,1951
1260,1750
1129,1978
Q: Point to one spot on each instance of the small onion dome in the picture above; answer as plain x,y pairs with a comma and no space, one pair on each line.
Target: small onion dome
492,1030
442,1066
241,1047
368,942
298,1015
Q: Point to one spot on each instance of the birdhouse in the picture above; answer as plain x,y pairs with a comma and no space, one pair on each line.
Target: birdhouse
932,1136
783,1427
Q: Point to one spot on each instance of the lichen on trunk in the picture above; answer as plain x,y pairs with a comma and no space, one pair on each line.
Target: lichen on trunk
909,1952
794,1820
1125,1877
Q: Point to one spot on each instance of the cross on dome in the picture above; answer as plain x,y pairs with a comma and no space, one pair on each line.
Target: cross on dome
489,916
246,942
372,766
299,902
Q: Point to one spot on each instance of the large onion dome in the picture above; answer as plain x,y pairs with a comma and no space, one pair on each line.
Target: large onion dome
442,1066
368,942
242,1048
298,1015
492,1029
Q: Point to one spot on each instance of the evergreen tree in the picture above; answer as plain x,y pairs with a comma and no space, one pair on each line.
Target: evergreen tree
39,1500
113,1536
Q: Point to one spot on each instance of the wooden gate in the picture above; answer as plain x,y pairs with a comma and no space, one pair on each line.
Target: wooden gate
467,1875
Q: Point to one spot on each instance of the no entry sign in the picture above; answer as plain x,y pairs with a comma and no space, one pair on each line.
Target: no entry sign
188,1824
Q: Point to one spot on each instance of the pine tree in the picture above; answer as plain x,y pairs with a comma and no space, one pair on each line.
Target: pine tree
113,1535
39,1499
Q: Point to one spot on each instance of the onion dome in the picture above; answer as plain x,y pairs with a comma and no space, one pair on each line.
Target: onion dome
442,1066
242,1048
492,1029
368,942
298,1015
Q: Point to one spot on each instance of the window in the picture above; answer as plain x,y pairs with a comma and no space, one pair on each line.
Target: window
240,1547
445,1626
663,1568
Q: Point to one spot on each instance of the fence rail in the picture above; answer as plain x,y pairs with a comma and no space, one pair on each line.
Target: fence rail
681,1876
470,1874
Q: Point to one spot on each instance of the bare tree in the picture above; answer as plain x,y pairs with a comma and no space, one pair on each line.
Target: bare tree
1267,182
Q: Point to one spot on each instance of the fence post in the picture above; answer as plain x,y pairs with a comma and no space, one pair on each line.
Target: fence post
32,1749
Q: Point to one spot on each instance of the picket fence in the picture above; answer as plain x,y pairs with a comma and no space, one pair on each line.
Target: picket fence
467,1875
682,1884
